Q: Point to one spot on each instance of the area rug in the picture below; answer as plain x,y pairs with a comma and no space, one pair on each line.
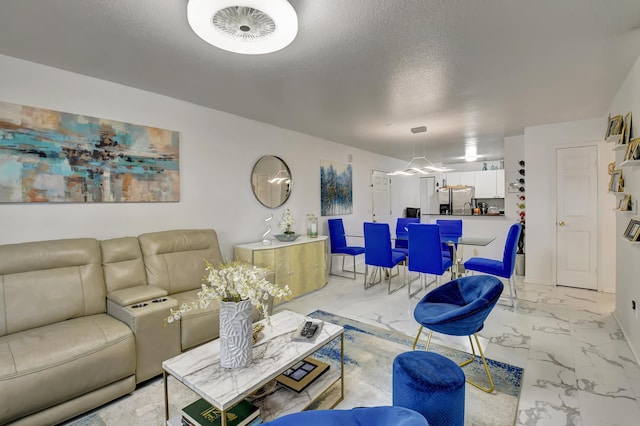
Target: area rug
369,354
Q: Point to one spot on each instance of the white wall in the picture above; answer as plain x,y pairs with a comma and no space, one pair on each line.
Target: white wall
628,254
540,143
217,153
513,153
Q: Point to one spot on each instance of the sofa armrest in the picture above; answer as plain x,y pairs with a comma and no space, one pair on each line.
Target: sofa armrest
156,341
133,295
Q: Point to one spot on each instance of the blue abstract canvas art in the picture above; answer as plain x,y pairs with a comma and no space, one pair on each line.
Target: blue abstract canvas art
336,191
52,156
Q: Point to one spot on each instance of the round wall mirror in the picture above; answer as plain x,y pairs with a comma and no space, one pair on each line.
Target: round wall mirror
271,181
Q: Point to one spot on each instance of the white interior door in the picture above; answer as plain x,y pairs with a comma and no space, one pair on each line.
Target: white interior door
381,185
577,217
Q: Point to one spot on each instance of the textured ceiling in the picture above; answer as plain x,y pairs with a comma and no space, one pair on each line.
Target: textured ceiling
360,72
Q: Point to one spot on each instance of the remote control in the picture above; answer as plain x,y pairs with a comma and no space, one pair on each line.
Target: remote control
304,330
311,331
308,330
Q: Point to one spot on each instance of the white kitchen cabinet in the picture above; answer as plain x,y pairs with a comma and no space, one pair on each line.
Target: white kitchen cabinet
468,178
500,185
460,178
453,178
489,184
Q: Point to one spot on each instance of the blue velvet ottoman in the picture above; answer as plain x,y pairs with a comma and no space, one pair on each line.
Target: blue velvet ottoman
366,416
430,384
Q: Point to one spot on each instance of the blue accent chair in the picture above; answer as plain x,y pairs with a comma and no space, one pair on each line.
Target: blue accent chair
459,308
370,416
425,253
402,235
379,254
430,384
339,247
450,230
504,268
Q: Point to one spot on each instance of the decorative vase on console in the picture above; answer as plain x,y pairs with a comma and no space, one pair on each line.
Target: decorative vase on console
238,287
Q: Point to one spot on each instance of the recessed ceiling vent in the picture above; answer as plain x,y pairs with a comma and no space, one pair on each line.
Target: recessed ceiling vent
244,23
250,27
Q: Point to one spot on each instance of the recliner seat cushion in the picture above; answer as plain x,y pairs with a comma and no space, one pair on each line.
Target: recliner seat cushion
48,365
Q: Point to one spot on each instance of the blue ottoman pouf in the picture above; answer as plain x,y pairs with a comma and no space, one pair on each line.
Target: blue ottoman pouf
366,416
430,384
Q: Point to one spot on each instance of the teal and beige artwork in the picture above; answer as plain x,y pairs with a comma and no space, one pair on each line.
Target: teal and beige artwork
53,156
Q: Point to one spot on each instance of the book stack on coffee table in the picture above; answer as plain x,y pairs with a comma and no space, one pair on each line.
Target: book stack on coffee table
201,413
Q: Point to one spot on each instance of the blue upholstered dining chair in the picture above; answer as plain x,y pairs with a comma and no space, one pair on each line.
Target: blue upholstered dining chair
450,230
504,268
402,242
370,416
339,247
459,308
425,253
379,254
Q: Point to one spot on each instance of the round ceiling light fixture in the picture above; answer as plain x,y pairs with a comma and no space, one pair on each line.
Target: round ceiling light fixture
250,27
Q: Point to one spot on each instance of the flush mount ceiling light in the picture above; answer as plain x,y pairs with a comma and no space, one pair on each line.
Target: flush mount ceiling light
419,165
471,150
250,27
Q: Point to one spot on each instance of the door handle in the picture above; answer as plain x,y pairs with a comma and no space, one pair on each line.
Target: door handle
561,223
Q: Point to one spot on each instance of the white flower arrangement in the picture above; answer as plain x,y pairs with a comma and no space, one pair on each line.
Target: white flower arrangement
287,221
233,282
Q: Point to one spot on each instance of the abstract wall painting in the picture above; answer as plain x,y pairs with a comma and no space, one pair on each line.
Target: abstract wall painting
336,189
52,156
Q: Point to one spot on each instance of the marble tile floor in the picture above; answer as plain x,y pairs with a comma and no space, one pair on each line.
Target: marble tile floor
579,370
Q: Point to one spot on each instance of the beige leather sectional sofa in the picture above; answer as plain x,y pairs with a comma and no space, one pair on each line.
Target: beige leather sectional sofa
82,320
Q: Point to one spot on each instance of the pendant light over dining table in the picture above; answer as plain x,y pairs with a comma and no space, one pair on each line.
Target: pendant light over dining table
249,27
419,165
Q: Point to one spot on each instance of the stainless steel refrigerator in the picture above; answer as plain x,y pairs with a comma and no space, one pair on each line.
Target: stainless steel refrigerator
456,200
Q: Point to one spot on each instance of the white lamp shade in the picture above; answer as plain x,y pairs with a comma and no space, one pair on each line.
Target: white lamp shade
255,26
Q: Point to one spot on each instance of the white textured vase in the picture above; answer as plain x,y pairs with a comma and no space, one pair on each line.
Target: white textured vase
236,342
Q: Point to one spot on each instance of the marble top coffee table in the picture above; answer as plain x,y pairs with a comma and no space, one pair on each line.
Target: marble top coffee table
275,352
